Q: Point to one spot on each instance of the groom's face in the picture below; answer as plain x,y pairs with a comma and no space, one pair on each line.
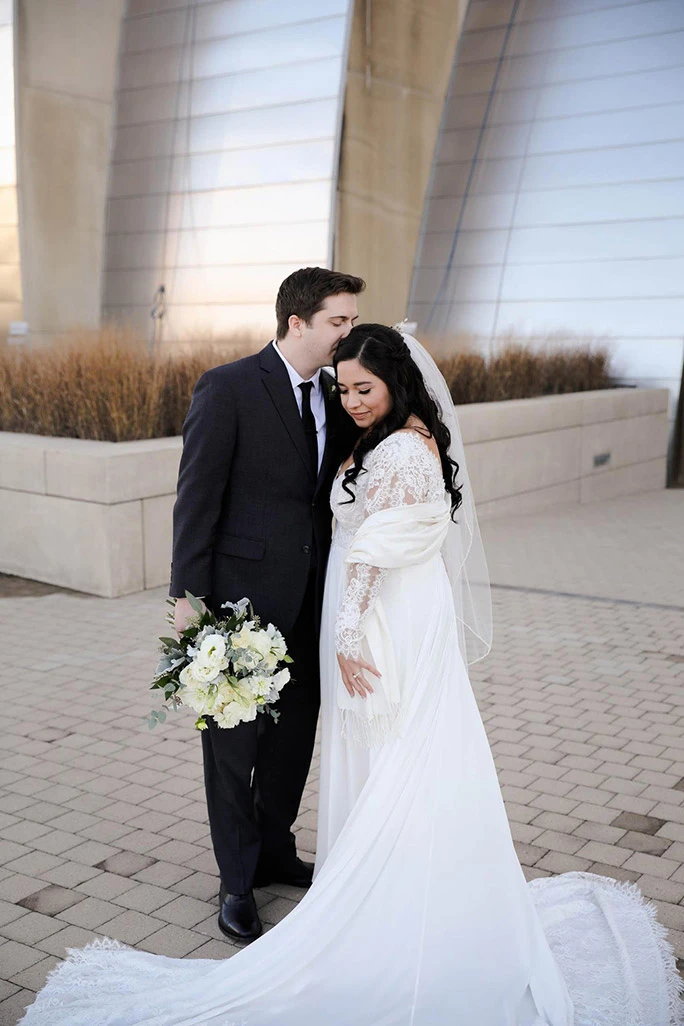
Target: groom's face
329,326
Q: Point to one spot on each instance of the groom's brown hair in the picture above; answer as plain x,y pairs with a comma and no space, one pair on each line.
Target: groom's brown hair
303,293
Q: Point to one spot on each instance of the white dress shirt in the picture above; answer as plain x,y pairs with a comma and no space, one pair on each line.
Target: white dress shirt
317,400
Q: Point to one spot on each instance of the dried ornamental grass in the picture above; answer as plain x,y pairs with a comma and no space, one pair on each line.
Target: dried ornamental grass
519,372
106,386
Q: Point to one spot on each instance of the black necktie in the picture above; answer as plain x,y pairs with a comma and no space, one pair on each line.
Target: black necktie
309,426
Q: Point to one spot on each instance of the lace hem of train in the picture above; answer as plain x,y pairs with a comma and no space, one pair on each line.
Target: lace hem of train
613,953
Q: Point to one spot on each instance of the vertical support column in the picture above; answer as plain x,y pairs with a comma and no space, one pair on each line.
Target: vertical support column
400,61
10,264
66,73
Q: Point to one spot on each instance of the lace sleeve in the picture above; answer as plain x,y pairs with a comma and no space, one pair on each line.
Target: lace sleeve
397,476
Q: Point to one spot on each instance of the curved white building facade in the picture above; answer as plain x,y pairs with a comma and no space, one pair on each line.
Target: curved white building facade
196,144
557,194
224,165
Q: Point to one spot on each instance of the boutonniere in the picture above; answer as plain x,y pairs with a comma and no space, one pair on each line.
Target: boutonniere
330,386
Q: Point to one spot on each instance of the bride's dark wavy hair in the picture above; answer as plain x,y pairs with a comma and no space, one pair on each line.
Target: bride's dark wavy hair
383,352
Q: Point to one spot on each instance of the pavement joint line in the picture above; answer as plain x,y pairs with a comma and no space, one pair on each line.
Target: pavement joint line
587,598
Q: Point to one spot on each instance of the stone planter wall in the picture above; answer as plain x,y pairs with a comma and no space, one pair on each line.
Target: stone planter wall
527,454
96,516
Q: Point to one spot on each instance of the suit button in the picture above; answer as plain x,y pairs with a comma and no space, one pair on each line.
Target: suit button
306,548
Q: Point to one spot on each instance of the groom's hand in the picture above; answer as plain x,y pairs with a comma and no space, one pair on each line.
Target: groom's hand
352,675
182,613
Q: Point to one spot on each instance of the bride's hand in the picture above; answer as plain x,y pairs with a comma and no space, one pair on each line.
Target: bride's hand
352,675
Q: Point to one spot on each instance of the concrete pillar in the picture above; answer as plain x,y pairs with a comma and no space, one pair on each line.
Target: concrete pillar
66,74
10,268
400,62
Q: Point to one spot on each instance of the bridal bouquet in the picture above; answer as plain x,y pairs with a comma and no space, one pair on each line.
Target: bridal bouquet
230,668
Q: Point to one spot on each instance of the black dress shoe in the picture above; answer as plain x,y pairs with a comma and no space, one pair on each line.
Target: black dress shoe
297,874
239,918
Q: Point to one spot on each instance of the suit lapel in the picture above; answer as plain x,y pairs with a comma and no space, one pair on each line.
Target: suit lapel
333,431
330,428
279,387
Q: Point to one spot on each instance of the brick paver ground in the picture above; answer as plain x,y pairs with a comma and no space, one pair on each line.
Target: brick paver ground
102,822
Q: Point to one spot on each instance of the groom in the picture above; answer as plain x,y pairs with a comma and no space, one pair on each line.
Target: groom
262,441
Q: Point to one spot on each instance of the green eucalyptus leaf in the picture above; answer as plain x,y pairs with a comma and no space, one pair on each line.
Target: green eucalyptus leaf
195,603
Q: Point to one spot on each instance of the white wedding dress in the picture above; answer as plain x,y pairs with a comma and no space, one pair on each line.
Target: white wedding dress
419,914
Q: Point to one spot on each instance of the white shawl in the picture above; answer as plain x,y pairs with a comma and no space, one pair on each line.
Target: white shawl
392,538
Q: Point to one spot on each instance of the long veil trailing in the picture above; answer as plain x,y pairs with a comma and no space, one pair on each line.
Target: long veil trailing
463,551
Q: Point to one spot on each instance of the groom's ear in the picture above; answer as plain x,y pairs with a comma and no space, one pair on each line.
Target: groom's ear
295,325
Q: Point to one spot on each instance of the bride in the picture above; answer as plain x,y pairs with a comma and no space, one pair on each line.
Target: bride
419,914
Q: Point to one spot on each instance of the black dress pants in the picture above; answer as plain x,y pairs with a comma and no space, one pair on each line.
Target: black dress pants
255,773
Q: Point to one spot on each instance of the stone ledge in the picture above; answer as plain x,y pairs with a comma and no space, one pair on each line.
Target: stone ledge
96,516
484,422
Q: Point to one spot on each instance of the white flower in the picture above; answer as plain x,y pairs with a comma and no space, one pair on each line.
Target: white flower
255,650
205,699
237,607
235,712
259,686
266,688
280,679
254,641
195,674
278,646
212,652
204,673
246,660
269,662
197,699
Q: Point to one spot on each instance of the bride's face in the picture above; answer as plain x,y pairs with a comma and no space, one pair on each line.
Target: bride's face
364,396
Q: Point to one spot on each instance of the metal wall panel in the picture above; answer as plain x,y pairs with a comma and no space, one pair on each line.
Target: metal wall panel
225,156
557,200
574,64
243,52
297,122
219,247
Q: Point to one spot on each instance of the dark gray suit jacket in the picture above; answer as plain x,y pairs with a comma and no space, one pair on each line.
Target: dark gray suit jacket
249,518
